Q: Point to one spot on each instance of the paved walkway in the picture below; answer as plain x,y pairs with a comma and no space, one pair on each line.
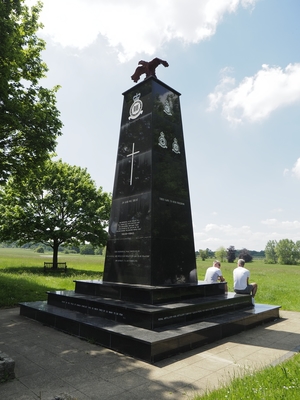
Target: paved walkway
53,365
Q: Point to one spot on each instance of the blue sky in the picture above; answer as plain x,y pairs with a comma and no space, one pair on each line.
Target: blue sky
236,64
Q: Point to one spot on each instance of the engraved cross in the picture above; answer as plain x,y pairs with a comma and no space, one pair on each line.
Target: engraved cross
132,156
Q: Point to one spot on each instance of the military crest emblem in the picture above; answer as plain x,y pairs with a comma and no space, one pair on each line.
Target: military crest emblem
136,108
175,146
162,142
167,108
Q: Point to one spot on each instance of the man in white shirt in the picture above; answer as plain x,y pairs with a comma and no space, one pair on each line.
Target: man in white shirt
214,274
241,277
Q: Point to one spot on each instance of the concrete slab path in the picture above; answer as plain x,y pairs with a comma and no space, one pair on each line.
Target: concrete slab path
51,365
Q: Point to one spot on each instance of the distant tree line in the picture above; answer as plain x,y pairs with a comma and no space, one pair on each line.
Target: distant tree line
86,249
285,251
230,254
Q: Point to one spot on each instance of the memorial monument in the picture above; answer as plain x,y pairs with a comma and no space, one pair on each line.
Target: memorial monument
151,238
150,303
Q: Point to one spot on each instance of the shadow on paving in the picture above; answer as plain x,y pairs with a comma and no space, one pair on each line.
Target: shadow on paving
51,365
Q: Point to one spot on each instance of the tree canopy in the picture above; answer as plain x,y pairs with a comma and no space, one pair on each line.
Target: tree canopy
270,252
54,205
231,254
285,251
221,253
203,254
245,255
288,252
29,119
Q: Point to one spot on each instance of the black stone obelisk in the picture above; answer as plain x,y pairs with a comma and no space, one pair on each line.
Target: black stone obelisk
150,230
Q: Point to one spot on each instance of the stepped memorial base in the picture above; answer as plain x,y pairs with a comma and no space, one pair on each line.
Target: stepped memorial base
168,321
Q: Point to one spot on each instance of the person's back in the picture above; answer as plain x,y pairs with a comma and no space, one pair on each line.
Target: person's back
212,274
241,277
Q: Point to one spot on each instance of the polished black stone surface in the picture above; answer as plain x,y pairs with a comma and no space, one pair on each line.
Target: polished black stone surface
150,231
145,344
149,331
149,316
147,294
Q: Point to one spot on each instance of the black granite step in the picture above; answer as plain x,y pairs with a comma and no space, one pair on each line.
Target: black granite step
146,294
146,315
145,344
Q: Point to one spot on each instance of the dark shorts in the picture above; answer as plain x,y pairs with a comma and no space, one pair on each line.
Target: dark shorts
247,290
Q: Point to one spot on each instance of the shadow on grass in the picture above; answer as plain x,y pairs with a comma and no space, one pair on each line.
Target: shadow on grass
20,289
26,284
60,272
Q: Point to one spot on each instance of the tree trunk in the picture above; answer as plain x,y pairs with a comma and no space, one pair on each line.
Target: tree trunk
55,254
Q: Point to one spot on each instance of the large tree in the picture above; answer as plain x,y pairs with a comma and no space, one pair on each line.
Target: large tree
29,119
287,252
231,254
221,253
203,254
270,252
57,204
245,255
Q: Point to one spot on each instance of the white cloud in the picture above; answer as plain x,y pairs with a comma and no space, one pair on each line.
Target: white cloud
256,97
132,26
296,169
214,227
227,229
270,222
283,225
213,236
291,225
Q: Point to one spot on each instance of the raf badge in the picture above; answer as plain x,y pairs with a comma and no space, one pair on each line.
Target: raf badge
162,142
175,147
136,108
167,108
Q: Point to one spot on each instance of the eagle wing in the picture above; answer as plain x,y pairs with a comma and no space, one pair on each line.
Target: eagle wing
156,62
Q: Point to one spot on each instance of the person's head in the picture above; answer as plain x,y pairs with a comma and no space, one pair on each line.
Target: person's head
217,264
241,262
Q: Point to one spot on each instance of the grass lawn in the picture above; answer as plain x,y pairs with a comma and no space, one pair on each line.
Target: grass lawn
22,275
277,284
272,383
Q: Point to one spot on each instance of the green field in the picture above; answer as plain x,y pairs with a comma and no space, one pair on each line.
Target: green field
22,277
277,284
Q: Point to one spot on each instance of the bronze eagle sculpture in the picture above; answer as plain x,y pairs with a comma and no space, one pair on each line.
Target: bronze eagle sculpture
147,68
